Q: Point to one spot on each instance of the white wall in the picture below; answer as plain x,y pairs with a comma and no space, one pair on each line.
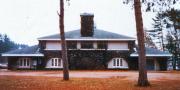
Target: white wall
95,45
53,46
124,65
111,46
78,45
117,46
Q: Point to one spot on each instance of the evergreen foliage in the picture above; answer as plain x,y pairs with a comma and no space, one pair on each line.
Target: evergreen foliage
159,26
6,44
172,17
149,40
151,5
154,5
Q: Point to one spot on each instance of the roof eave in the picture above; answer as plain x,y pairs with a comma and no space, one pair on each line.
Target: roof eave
22,55
88,39
153,55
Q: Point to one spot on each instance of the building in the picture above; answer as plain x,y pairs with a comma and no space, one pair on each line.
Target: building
88,48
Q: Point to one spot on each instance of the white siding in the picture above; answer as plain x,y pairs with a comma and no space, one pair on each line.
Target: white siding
95,45
53,46
49,64
117,46
124,64
78,45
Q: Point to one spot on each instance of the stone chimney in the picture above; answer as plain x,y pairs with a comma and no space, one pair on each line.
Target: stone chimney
87,25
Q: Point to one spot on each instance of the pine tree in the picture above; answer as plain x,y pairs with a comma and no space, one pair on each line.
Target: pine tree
158,26
63,42
148,40
142,80
6,44
173,23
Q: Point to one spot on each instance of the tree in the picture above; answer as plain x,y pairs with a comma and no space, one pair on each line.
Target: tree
6,44
171,46
63,42
170,21
157,32
142,80
172,17
148,40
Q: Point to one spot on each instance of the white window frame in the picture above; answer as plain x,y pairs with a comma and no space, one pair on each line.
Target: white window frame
24,62
117,62
56,62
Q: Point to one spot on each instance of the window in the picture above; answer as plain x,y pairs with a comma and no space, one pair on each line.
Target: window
87,45
59,60
54,45
21,62
56,62
117,62
52,60
101,45
25,62
114,62
121,63
117,46
72,45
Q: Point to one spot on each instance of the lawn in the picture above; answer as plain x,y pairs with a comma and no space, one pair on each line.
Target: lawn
56,83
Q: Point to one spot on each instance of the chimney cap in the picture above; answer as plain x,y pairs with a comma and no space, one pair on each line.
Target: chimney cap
86,14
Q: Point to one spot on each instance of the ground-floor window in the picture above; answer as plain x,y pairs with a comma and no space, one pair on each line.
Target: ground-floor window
118,62
25,62
56,62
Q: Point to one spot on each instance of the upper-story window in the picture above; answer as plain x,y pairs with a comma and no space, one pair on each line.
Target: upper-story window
72,45
86,45
101,45
118,46
53,45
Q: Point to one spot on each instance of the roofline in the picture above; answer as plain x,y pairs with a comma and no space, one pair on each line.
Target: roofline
89,49
22,55
89,39
153,55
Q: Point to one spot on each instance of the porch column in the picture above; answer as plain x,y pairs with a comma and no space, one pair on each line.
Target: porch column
156,64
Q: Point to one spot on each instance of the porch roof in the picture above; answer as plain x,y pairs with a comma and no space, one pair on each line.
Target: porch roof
152,52
29,51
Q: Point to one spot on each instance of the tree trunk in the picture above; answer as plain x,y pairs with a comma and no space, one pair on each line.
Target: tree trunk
63,42
142,80
176,45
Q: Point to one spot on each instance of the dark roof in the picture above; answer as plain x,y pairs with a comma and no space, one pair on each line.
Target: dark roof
86,14
26,51
153,52
98,34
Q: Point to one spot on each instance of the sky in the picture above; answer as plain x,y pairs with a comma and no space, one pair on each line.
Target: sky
26,20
